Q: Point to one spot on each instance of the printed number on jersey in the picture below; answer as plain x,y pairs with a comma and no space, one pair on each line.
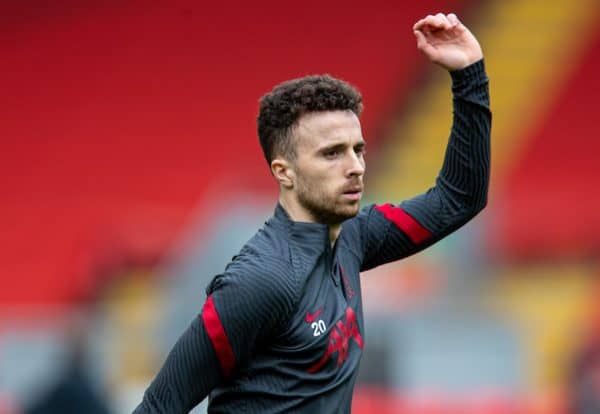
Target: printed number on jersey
319,327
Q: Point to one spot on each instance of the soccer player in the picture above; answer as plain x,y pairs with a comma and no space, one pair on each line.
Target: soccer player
282,328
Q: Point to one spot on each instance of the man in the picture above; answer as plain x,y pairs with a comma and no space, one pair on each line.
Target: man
282,328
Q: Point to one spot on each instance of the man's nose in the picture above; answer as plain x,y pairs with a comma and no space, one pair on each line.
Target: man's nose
356,165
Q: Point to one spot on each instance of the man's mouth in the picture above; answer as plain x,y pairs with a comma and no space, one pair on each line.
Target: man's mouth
353,193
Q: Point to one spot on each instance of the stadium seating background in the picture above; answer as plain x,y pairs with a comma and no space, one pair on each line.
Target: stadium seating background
129,146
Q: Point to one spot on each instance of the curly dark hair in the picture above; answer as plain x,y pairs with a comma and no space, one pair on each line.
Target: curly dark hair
281,108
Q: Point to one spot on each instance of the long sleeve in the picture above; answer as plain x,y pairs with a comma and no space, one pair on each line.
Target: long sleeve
187,376
389,232
244,307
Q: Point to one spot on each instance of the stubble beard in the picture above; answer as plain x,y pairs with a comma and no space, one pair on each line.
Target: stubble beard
326,209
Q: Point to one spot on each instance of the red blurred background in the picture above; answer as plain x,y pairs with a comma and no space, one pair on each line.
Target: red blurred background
125,122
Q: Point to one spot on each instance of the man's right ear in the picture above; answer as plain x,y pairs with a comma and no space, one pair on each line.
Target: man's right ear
283,172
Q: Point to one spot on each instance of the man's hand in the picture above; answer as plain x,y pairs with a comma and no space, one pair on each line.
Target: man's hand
446,41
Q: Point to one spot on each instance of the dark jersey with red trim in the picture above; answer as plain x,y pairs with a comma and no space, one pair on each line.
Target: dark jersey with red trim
282,329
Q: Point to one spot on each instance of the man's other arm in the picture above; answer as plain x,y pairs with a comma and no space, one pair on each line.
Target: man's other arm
244,305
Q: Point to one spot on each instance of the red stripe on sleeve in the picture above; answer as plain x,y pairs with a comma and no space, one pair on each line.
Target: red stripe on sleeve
404,222
217,335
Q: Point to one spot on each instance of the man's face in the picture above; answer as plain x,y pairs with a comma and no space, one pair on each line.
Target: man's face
329,165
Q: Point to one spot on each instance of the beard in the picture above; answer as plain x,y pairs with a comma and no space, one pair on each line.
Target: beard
326,208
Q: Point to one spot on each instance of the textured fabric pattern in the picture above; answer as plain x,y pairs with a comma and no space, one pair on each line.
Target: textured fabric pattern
286,325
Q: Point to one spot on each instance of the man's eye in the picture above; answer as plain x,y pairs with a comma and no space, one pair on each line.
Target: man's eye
361,151
332,154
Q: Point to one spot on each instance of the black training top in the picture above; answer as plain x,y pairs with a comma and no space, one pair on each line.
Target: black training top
282,328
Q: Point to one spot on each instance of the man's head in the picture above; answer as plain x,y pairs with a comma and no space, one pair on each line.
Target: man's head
311,137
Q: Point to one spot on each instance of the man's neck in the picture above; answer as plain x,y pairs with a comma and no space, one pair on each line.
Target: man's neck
334,232
298,213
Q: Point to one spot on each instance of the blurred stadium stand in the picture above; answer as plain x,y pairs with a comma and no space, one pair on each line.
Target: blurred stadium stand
131,173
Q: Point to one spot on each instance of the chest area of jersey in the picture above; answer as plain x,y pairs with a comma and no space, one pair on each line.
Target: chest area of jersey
326,331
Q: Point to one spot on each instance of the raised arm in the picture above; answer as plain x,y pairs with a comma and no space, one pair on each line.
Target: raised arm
390,232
